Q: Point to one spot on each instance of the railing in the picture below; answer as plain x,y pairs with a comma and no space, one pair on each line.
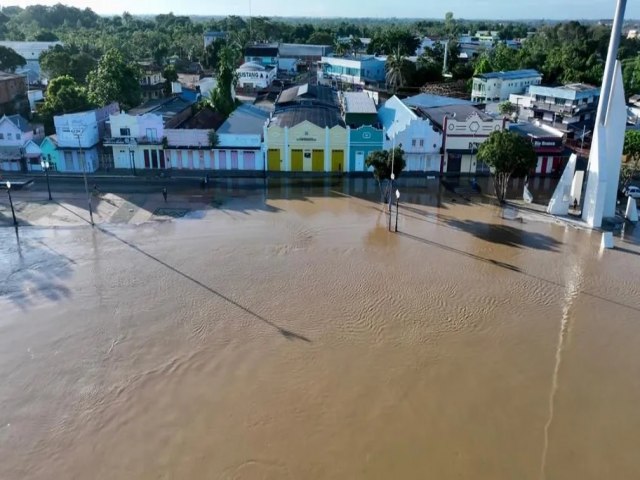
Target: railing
131,141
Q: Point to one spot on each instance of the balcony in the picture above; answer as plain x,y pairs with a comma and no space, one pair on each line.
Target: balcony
132,141
562,108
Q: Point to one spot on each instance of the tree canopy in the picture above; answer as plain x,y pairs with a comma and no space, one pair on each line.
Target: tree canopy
115,80
63,60
10,60
222,95
630,168
508,154
382,160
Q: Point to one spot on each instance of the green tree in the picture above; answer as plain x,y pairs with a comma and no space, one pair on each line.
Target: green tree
507,108
382,161
222,94
396,70
170,75
64,95
10,60
356,45
321,38
213,139
631,149
504,58
508,154
115,80
483,65
631,76
62,60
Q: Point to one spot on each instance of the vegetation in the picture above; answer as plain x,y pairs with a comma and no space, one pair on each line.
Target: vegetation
507,108
222,95
631,168
64,60
509,155
170,75
115,80
382,162
396,70
64,95
213,139
10,60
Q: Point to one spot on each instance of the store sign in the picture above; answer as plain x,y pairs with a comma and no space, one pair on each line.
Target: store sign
251,74
542,143
306,139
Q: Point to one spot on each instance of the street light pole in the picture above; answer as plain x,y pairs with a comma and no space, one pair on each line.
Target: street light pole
397,205
84,173
45,166
13,212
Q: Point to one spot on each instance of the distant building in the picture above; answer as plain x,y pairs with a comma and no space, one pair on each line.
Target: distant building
428,43
569,108
78,138
151,81
548,144
428,100
294,56
210,37
49,151
632,34
19,149
254,76
13,94
358,70
266,54
497,86
363,128
31,52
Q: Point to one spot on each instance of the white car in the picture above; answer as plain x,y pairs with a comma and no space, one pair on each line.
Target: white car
632,191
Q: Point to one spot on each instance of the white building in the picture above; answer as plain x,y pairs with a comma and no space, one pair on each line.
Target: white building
78,137
31,52
136,141
358,70
254,76
414,132
18,150
497,86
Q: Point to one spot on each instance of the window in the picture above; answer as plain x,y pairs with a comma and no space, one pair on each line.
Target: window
152,134
9,137
1,136
413,142
422,142
18,136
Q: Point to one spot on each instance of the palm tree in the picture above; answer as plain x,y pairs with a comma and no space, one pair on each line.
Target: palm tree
396,69
339,48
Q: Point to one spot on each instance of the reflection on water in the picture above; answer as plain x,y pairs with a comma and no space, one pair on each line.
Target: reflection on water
288,334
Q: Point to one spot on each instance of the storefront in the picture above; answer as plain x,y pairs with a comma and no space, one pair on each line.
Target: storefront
254,76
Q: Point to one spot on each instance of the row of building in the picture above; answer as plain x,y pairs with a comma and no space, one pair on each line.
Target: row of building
311,128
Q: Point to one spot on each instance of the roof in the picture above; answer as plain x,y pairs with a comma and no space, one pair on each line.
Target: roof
215,34
29,50
428,100
52,138
321,116
536,131
457,112
266,50
167,107
303,50
246,119
359,102
573,91
20,122
9,76
510,75
252,66
207,118
308,94
395,115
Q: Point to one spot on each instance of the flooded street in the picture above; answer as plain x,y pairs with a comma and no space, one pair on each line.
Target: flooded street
289,335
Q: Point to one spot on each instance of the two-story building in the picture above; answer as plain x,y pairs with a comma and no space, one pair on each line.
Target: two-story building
151,81
78,137
211,36
569,108
19,150
497,86
548,144
294,57
137,141
253,76
410,129
356,70
463,128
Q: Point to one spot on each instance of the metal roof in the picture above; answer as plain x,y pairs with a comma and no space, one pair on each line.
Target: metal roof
266,50
573,91
302,50
358,102
510,75
246,119
457,112
428,100
531,130
312,94
20,122
318,115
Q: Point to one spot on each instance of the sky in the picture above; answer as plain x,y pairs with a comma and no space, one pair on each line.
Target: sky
470,9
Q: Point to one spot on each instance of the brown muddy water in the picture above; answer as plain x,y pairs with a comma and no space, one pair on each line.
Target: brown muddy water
298,339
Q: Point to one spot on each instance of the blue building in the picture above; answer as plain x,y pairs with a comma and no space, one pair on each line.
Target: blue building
358,70
362,141
266,55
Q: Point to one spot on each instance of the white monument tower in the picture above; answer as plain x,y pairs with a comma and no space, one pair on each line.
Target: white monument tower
608,136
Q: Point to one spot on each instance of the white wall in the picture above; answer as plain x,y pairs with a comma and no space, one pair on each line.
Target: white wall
72,124
137,124
419,158
8,129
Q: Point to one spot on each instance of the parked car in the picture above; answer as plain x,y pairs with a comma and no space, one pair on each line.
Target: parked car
632,191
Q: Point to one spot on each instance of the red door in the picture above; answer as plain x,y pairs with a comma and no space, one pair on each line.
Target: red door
543,167
222,159
162,159
147,163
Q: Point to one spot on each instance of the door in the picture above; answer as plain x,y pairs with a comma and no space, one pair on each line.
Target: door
337,160
190,159
154,159
296,161
249,160
359,161
147,162
179,162
273,160
162,164
234,160
317,161
222,159
454,163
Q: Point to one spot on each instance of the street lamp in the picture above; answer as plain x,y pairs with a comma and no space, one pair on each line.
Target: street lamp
45,167
397,203
76,132
13,212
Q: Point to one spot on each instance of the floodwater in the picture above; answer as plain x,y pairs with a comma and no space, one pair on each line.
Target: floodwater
296,338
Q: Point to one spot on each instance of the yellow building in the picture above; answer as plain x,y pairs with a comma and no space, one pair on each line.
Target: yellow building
306,139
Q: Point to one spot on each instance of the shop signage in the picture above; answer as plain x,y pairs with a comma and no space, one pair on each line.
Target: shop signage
251,74
542,143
